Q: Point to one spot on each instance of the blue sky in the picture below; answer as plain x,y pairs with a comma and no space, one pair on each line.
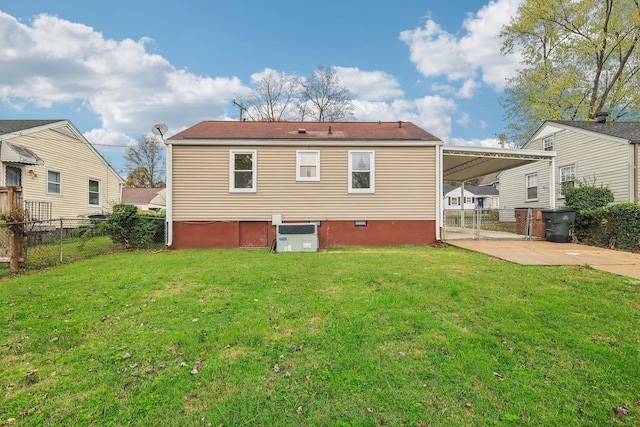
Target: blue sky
116,68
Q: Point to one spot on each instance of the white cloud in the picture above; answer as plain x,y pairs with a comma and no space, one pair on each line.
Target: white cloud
369,85
437,52
464,119
474,142
103,137
432,113
468,89
54,61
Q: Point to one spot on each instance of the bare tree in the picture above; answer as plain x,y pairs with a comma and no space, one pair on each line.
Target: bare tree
145,163
322,99
272,99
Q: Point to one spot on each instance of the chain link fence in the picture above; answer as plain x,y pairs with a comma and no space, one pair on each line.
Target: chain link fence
65,240
487,219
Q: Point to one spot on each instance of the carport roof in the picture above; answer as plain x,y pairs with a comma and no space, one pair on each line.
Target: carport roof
464,163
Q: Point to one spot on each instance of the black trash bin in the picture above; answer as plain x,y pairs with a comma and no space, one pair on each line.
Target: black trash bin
557,223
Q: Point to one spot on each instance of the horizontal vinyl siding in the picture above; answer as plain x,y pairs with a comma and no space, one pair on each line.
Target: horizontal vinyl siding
605,160
404,183
76,163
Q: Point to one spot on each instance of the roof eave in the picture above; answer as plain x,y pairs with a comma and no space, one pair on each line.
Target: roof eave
307,142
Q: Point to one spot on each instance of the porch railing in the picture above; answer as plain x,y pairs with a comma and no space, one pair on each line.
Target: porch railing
37,211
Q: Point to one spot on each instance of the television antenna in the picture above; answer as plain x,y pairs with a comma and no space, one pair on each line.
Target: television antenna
241,107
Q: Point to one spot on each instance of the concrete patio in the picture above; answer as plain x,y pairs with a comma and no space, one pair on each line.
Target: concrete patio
516,248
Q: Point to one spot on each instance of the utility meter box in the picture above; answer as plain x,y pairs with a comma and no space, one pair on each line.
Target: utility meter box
297,237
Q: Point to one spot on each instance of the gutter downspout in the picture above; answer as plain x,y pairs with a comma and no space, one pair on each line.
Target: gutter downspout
552,183
439,186
169,216
636,179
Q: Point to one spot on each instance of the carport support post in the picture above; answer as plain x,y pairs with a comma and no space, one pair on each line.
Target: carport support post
552,183
462,205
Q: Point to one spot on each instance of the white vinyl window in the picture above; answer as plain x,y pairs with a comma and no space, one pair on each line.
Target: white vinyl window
94,192
307,165
547,144
454,201
54,182
362,175
531,182
242,171
567,178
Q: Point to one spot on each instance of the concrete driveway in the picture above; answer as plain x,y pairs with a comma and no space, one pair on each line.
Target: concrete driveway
541,252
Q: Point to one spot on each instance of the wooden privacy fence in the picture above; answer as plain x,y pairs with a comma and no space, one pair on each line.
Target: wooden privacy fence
13,249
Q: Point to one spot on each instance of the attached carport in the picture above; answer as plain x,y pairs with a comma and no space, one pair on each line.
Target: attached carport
461,164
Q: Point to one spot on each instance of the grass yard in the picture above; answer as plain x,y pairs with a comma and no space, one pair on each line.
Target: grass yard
402,336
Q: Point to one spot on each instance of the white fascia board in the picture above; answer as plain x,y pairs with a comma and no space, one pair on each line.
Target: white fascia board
305,143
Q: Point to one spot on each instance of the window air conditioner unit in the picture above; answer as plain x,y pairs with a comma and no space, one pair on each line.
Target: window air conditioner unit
297,237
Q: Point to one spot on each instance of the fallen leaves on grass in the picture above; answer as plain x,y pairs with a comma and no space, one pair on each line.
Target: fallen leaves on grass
621,411
197,366
499,376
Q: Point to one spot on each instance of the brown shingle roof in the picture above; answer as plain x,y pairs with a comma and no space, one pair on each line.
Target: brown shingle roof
347,131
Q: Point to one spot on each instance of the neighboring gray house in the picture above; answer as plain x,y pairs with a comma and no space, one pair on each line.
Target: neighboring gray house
485,197
490,180
600,152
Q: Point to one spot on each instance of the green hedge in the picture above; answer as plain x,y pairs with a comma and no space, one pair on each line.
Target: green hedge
615,227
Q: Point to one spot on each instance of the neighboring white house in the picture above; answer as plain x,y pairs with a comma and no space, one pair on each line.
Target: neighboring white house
600,152
484,197
60,172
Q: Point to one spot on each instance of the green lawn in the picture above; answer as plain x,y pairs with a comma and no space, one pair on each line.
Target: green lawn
384,336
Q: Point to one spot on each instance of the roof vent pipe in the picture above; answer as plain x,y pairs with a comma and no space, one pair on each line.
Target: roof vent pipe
329,132
601,116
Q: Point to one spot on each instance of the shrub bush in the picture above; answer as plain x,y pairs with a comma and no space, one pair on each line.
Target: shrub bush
131,229
615,227
586,197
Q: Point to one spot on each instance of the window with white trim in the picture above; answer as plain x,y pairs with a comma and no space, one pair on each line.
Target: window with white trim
307,165
454,201
547,144
242,171
362,175
54,182
94,192
531,182
567,178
